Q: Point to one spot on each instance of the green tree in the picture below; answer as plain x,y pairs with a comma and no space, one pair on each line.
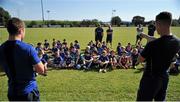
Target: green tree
175,22
4,16
32,23
138,20
116,21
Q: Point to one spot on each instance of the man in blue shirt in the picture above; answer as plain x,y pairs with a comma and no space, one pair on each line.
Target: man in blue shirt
18,59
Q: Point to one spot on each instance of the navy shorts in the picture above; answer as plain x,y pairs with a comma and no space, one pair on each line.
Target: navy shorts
98,38
109,39
138,37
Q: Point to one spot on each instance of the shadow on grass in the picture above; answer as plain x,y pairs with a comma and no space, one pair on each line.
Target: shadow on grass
139,70
84,70
174,74
96,70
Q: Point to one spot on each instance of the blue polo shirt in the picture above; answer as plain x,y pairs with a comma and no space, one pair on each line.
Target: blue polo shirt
17,59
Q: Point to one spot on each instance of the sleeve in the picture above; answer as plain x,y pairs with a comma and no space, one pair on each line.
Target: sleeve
146,51
34,56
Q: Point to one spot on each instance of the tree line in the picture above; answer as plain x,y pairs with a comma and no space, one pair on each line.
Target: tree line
115,21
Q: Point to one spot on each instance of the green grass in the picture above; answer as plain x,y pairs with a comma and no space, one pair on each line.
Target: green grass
73,85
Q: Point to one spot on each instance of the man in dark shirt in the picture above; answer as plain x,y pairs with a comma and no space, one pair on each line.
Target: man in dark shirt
99,33
109,35
18,59
158,55
151,29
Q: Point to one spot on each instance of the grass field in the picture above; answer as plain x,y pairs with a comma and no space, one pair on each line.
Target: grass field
73,85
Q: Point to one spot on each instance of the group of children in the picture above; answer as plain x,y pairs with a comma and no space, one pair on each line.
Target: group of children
95,56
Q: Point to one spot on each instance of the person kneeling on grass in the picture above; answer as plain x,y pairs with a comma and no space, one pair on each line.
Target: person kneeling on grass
103,62
87,60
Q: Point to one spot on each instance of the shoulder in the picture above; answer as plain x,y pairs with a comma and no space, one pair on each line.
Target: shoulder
24,45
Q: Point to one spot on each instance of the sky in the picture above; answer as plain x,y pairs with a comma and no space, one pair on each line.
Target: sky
90,9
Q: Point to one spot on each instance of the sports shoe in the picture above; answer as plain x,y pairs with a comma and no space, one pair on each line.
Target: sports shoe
100,70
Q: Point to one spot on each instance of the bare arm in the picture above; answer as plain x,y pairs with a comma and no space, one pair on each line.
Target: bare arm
147,37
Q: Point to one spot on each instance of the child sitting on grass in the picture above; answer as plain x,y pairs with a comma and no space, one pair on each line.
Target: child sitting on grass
134,57
103,62
87,60
68,61
57,61
123,61
112,60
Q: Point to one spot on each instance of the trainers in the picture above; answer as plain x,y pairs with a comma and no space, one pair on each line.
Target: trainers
100,70
104,70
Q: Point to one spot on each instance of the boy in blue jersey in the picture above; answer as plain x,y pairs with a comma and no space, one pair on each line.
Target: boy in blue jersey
87,60
38,47
104,46
57,61
103,62
68,61
18,59
99,49
76,45
119,49
46,45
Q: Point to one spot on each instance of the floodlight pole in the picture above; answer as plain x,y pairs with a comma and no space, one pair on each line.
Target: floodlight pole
48,22
42,11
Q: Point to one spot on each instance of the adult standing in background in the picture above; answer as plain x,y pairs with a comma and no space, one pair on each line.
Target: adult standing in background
99,33
18,59
151,29
109,35
139,30
158,54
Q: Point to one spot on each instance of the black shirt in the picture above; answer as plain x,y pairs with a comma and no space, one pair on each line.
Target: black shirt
159,55
109,32
99,31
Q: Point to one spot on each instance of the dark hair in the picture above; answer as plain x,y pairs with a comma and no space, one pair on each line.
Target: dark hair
164,17
13,26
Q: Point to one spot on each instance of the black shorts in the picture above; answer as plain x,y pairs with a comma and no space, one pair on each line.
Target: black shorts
138,37
109,39
152,88
98,38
